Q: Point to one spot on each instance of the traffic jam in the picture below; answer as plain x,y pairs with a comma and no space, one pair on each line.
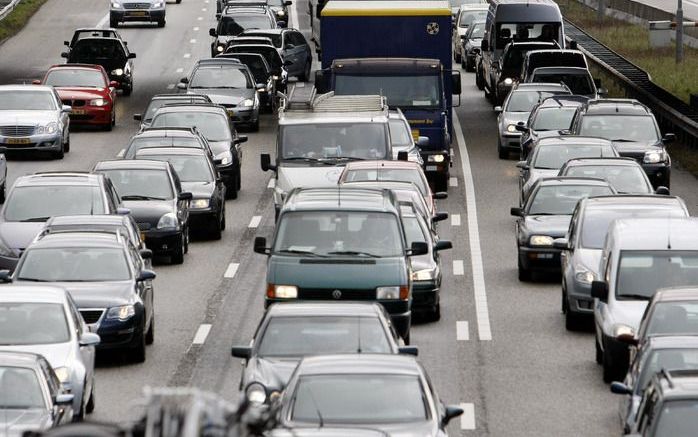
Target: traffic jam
364,139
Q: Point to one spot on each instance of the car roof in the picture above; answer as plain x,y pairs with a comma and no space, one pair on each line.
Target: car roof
563,100
86,239
632,200
617,161
386,65
231,10
615,107
655,233
528,45
98,38
33,293
353,364
672,342
212,62
165,132
566,140
185,107
136,164
247,32
180,96
474,7
319,309
384,184
171,151
26,87
96,219
338,198
408,165
539,86
76,66
575,70
674,294
59,178
19,359
571,180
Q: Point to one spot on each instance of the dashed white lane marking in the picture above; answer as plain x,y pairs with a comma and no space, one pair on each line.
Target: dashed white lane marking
199,18
102,22
453,182
192,41
256,220
481,310
458,269
231,270
294,17
187,55
170,86
455,219
201,334
196,29
272,183
462,331
467,420
180,70
203,9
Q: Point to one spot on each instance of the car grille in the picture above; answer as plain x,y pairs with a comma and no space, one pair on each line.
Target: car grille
636,156
17,131
74,103
136,5
91,316
328,294
229,105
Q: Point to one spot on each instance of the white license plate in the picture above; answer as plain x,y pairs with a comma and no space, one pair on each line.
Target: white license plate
545,256
432,167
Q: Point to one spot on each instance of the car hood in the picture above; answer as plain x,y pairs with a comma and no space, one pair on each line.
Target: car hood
589,258
99,294
635,147
552,225
629,312
32,118
18,235
513,118
289,178
58,354
13,423
475,42
422,262
149,211
200,190
461,31
226,96
80,93
272,373
219,147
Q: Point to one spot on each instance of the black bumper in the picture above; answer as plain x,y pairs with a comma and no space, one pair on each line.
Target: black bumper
163,242
541,259
425,295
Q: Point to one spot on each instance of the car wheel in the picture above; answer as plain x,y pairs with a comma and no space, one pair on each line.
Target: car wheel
599,352
80,415
161,23
67,142
2,192
524,274
186,240
501,151
61,153
479,81
435,314
223,220
90,407
254,127
406,339
178,254
113,22
150,335
607,362
216,227
109,126
127,89
572,321
457,57
441,182
305,76
138,351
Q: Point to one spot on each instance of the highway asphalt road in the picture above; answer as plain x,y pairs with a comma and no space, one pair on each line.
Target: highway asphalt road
500,349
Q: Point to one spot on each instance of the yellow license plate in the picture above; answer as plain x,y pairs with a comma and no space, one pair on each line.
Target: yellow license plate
18,141
78,111
415,134
142,236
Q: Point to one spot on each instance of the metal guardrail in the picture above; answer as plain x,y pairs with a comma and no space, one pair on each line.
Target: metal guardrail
5,11
671,112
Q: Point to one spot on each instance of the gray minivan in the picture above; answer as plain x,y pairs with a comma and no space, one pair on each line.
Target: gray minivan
339,244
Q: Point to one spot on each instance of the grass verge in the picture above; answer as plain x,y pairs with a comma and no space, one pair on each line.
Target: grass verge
18,18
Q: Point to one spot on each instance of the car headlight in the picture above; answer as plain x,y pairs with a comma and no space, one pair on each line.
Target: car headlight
247,102
511,128
508,81
282,291
98,102
541,240
621,329
116,5
118,72
199,203
63,373
121,313
168,220
654,157
158,4
435,158
281,13
256,393
583,275
225,157
275,77
424,275
220,49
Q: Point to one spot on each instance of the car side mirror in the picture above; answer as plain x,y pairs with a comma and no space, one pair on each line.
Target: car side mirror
620,389
451,413
497,109
443,245
418,248
265,159
516,211
564,132
409,350
485,45
599,290
66,43
185,195
36,82
132,56
288,3
121,210
521,127
5,277
440,195
244,352
260,246
89,339
146,253
602,91
213,32
662,190
66,108
64,399
439,217
669,138
260,86
184,80
241,139
628,339
561,243
138,117
455,83
146,275
64,55
402,155
522,165
422,141
113,83
281,24
181,86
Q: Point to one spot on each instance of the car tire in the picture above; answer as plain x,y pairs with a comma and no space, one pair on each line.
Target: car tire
3,192
150,335
61,153
80,415
186,240
161,23
457,57
223,220
434,314
113,22
254,127
178,254
524,274
90,407
138,352
441,182
479,80
216,229
572,321
67,142
599,352
501,151
406,339
305,76
607,363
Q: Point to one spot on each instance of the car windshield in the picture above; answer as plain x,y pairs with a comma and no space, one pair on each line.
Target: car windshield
156,104
372,234
313,335
39,203
97,51
20,389
478,31
219,77
673,318
624,178
678,417
553,118
328,141
403,91
544,32
275,37
27,100
257,68
642,273
74,264
359,399
524,101
189,168
400,134
562,199
32,323
595,222
234,25
467,17
214,126
139,143
577,83
388,174
640,128
669,359
65,77
141,184
553,156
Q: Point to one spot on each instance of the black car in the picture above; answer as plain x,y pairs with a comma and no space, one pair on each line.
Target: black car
165,137
153,193
633,130
546,216
111,53
215,124
88,32
471,42
198,175
578,79
391,393
263,77
33,199
159,100
624,174
272,56
106,278
288,332
547,119
293,48
235,20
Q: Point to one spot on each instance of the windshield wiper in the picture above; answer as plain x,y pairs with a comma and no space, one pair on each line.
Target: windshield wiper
349,158
33,280
623,140
301,252
302,158
36,219
353,252
139,197
634,296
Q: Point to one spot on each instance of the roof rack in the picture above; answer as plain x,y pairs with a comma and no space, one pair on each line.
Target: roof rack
299,98
62,173
116,232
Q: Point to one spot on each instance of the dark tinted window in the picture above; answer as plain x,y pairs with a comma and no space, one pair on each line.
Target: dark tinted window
234,25
562,199
189,168
553,119
642,273
140,184
577,83
673,318
620,127
93,264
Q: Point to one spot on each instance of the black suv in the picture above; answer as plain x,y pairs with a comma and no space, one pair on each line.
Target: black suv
235,20
111,53
633,130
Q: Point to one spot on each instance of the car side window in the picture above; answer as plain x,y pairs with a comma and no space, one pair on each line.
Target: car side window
135,258
54,384
298,39
574,222
175,179
76,316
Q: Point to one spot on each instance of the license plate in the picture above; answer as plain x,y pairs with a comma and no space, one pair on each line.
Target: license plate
18,141
138,13
78,111
545,256
432,167
415,134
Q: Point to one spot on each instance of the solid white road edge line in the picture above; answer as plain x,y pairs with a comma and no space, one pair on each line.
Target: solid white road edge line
455,219
256,220
458,269
483,315
467,420
462,331
272,183
201,334
231,270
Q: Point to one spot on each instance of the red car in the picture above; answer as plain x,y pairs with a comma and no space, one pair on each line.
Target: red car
87,89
